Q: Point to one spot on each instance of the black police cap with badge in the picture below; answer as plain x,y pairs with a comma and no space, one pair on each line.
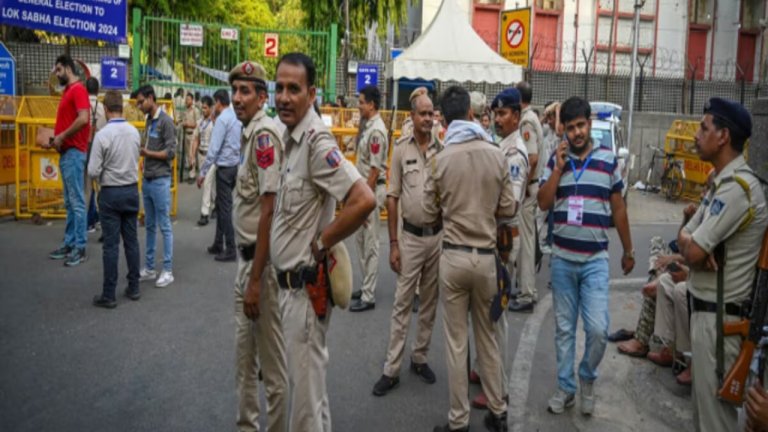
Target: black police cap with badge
507,98
732,113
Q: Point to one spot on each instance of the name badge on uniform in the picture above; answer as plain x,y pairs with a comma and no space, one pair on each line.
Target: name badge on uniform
575,211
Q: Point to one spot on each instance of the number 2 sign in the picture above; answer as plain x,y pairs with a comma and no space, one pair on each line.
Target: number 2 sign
271,44
113,73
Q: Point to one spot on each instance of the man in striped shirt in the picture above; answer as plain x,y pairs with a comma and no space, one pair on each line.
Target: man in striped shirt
582,185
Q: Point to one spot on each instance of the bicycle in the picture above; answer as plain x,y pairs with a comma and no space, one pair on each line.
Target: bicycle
672,179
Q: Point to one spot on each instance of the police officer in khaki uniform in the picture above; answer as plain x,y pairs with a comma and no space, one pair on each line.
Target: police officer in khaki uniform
532,134
406,129
191,117
733,215
414,252
468,180
506,107
259,336
314,176
372,152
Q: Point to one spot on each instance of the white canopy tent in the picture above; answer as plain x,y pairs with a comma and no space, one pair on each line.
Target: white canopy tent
450,50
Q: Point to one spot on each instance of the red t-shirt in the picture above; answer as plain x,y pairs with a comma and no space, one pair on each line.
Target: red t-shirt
74,99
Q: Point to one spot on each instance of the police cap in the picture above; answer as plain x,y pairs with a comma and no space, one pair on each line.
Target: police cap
249,71
418,92
509,97
732,113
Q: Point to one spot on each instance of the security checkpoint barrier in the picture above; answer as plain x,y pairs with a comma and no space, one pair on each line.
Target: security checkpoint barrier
8,107
680,141
38,183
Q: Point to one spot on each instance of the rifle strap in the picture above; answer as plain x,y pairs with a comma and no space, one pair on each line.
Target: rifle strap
719,345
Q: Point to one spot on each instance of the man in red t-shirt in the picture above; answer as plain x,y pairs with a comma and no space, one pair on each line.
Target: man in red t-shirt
72,131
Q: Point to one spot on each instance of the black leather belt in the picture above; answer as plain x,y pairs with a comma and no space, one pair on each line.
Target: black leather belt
296,279
119,186
380,182
422,231
247,252
469,249
532,181
699,305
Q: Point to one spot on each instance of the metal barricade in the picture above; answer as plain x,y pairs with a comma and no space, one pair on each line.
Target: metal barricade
8,107
37,179
680,141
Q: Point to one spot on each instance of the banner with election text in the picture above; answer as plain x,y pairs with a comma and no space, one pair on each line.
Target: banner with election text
105,20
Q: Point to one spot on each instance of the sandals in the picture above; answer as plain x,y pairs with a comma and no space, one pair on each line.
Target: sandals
637,354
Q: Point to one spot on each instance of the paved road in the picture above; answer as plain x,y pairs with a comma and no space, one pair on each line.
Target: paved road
166,363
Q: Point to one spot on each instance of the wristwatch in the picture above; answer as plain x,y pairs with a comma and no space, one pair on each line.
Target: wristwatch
630,254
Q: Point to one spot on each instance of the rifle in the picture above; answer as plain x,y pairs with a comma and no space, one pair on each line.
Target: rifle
751,331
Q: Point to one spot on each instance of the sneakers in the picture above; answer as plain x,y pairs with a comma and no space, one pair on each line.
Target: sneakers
385,384
587,397
496,423
105,303
75,257
60,253
424,372
560,401
147,274
165,279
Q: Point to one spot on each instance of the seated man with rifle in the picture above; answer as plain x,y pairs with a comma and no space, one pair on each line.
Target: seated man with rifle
720,244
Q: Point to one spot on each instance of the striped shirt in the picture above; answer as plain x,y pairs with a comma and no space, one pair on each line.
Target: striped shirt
596,182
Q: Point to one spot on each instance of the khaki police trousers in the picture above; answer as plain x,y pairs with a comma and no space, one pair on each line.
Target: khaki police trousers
709,413
367,238
307,361
260,347
526,261
468,285
419,257
672,313
190,161
209,192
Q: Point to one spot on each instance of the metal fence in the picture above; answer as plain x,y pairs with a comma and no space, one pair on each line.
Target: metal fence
194,54
35,61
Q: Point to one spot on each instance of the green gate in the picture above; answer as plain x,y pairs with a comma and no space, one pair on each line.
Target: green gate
171,53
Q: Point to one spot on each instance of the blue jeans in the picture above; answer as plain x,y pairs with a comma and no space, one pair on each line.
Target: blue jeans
72,167
119,208
157,211
579,286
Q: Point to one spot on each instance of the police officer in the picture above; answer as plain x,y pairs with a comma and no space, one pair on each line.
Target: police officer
531,132
406,129
258,336
414,254
466,179
372,152
732,216
313,177
506,107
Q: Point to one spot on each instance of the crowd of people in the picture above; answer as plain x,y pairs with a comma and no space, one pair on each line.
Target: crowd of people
465,194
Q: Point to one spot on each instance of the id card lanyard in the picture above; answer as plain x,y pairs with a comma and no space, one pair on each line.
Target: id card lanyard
576,202
577,176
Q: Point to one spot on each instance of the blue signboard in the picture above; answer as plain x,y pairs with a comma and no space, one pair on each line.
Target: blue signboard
7,72
102,20
114,73
367,74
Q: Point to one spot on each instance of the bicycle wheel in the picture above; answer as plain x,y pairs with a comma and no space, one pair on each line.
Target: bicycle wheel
672,183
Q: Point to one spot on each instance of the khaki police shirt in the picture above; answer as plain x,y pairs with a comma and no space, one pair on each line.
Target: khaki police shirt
258,174
407,128
533,137
469,184
191,115
516,155
373,148
717,220
407,177
203,131
313,176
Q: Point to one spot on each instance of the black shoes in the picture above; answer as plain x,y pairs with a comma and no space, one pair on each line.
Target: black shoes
424,372
226,256
100,301
133,295
415,307
203,221
496,423
215,250
447,428
385,384
515,306
361,306
357,294
60,253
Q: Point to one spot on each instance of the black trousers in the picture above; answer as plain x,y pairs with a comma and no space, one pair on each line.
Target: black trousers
225,184
119,208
